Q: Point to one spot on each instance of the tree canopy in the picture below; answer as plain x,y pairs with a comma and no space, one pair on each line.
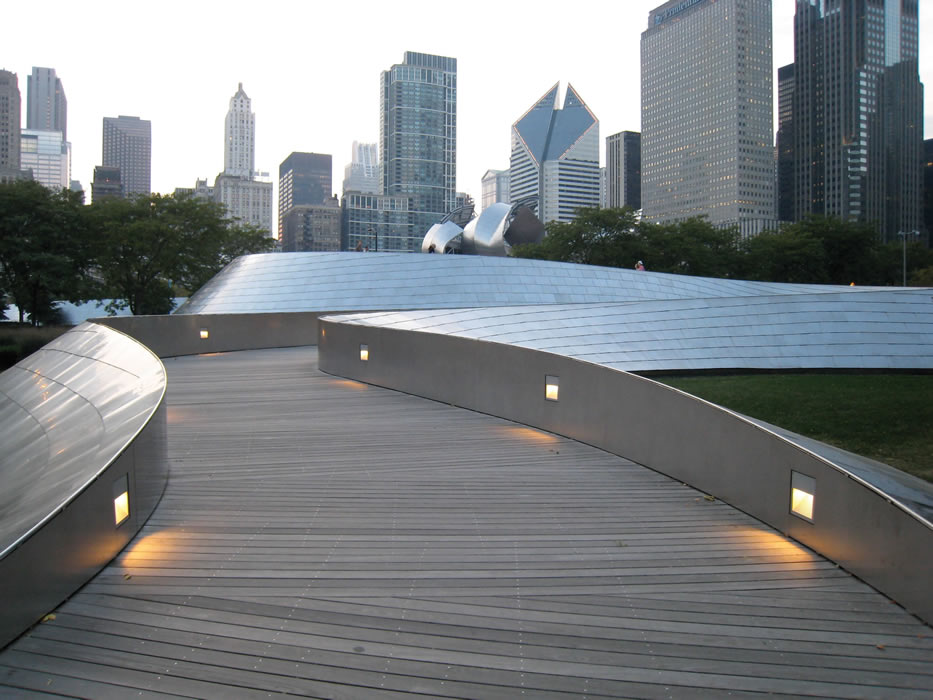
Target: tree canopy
140,252
817,250
148,247
45,249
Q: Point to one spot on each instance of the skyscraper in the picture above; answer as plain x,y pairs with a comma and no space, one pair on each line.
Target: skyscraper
858,112
105,184
46,106
785,143
362,173
44,147
928,185
240,136
127,145
623,170
244,197
706,113
312,227
378,222
495,187
10,116
304,178
418,138
47,156
555,156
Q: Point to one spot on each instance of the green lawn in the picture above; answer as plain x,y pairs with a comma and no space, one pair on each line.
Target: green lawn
888,417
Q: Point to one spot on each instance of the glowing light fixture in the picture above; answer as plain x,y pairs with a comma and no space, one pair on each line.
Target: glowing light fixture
551,387
205,334
364,353
802,495
121,500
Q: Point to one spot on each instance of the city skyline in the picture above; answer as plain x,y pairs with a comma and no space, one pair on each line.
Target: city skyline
290,114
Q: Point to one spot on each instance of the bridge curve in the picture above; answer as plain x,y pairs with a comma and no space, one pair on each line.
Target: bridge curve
326,537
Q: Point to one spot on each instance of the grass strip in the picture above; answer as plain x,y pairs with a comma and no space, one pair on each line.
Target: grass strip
887,417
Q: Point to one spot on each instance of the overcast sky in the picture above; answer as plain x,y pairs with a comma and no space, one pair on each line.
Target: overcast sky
312,71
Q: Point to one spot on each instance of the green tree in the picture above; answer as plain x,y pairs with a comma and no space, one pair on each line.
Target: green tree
791,255
149,244
692,247
44,252
615,238
595,237
891,265
817,250
850,249
922,277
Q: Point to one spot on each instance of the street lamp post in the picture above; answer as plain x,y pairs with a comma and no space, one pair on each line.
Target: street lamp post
903,236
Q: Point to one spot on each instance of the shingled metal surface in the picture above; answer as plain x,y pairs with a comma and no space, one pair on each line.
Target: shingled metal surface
281,282
872,329
326,538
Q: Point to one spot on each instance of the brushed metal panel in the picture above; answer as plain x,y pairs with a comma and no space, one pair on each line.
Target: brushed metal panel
80,412
857,524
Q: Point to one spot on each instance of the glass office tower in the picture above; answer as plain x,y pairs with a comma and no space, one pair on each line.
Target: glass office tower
858,112
706,113
46,105
127,144
418,140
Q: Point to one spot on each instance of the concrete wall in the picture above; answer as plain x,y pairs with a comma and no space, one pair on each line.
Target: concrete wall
180,334
676,434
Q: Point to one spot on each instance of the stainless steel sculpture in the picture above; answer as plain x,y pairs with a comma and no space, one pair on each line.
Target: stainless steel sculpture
499,227
442,237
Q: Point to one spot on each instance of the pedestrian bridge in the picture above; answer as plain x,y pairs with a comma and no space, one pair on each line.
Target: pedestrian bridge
463,503
325,537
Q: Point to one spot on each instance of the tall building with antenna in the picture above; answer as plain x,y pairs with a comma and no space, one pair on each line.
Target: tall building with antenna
238,188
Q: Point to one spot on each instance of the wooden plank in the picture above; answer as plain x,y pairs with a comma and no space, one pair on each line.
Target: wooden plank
321,536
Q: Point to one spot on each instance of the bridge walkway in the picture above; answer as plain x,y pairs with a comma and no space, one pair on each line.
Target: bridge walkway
325,538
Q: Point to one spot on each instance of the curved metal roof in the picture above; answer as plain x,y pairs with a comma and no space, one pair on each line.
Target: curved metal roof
871,329
281,282
67,411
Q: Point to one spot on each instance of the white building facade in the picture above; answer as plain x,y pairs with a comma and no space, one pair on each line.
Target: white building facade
240,136
246,198
48,156
362,173
249,201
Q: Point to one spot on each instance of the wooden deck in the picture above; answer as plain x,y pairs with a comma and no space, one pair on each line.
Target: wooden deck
324,538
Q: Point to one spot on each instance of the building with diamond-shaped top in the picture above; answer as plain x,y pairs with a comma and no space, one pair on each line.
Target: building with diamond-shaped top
555,156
